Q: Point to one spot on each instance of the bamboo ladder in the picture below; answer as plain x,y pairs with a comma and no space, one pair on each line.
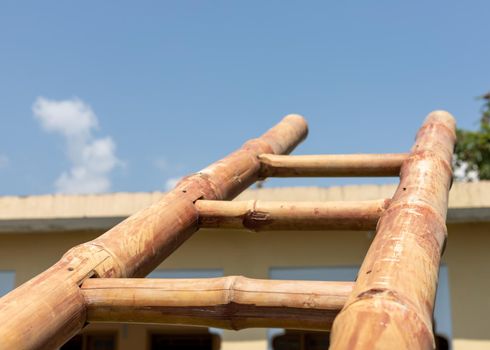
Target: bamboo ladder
390,305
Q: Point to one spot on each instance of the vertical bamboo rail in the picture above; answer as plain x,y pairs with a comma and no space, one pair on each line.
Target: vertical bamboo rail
48,310
392,302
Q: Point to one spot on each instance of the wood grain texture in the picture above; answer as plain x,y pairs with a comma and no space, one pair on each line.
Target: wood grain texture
233,302
302,216
49,309
392,302
352,165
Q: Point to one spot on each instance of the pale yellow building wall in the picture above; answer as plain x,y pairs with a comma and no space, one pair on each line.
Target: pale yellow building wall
468,259
252,254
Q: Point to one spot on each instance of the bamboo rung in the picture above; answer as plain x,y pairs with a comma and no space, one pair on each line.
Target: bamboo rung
331,165
302,216
233,302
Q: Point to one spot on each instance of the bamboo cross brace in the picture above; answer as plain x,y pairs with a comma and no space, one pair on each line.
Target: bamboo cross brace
331,165
233,302
49,309
304,216
392,303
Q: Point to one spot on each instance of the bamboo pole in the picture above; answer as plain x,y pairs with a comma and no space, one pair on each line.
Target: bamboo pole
49,309
304,216
353,165
233,302
392,302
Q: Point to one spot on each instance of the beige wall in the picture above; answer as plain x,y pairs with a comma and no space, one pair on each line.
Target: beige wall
468,259
252,254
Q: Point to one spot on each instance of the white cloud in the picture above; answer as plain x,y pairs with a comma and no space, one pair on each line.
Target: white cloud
68,117
92,158
170,183
4,161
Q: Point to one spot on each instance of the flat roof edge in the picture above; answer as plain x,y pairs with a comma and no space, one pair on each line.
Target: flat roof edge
54,225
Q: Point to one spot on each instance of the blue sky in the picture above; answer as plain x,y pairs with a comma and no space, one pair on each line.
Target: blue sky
176,85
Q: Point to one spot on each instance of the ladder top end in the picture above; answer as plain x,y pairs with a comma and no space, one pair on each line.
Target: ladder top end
442,117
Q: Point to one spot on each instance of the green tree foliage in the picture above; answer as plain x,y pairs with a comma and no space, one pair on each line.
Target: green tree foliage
473,147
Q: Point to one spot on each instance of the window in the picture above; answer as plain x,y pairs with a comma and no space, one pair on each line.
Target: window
7,282
184,341
299,340
91,341
280,339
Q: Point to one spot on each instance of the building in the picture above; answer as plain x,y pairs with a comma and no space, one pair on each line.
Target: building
36,230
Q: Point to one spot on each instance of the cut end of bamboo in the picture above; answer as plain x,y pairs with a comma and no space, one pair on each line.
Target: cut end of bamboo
298,120
287,134
441,116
